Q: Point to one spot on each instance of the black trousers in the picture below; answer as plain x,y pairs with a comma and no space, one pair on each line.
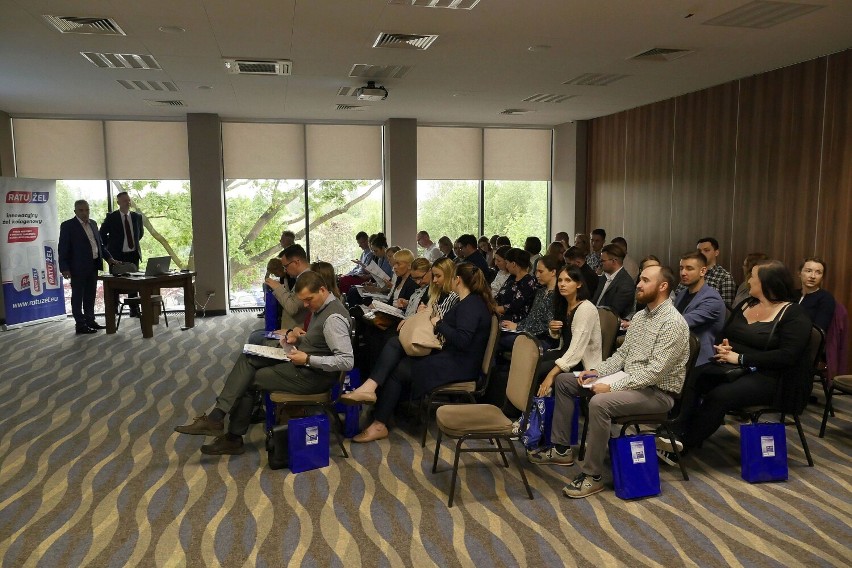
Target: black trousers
83,288
132,256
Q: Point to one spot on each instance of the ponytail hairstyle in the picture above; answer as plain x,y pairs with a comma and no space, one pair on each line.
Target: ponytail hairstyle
475,281
448,268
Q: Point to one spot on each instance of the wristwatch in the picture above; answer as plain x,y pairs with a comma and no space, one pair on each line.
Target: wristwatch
308,360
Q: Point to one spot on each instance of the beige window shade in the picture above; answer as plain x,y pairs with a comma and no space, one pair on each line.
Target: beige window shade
59,149
449,153
337,151
146,150
263,151
517,154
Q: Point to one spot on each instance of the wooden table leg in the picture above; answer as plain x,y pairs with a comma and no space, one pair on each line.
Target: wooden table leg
189,302
109,306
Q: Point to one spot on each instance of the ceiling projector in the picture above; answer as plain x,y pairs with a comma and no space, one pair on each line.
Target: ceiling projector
371,92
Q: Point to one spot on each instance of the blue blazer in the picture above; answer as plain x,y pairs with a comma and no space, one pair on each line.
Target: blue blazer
705,316
465,328
75,252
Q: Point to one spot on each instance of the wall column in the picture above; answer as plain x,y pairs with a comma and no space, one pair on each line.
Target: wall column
568,203
204,140
400,163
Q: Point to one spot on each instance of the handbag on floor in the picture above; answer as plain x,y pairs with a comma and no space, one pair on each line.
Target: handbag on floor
635,469
763,452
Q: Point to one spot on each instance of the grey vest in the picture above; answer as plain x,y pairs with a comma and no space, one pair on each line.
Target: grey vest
313,342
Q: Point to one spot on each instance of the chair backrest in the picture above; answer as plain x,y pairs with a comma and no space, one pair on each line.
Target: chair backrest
609,328
816,346
525,356
488,358
691,373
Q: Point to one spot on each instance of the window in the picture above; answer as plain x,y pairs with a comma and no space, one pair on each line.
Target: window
448,208
517,209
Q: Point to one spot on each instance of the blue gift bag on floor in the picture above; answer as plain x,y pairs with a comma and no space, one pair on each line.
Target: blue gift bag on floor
635,470
308,443
763,452
351,413
539,423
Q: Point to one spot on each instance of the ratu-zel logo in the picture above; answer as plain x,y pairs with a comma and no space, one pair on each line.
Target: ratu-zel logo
27,197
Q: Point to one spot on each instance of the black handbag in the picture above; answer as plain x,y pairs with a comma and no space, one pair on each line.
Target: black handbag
121,268
278,447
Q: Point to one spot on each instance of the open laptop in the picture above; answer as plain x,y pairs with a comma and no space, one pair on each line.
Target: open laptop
155,266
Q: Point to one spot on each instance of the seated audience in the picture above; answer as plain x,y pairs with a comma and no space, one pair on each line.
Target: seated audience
557,250
465,329
533,246
702,306
431,252
563,238
502,274
615,287
577,257
293,310
516,296
484,246
765,337
581,241
441,294
541,312
503,241
446,246
379,251
653,356
630,264
597,240
359,274
817,302
318,357
717,277
467,251
750,260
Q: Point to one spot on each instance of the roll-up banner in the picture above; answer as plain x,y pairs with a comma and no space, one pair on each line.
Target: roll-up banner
29,231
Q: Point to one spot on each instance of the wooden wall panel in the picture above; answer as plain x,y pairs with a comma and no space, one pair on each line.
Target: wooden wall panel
648,175
606,174
704,164
834,222
779,145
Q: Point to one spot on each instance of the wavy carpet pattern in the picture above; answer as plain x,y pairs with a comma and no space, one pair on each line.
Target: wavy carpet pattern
91,474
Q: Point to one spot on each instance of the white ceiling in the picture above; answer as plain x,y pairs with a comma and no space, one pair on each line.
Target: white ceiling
479,66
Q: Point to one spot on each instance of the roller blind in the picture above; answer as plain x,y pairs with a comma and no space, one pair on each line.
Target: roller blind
517,154
146,150
263,151
343,151
59,149
449,153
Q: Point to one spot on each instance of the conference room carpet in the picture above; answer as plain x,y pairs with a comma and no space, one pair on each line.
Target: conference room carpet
92,474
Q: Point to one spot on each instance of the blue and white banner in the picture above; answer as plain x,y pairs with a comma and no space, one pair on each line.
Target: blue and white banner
29,231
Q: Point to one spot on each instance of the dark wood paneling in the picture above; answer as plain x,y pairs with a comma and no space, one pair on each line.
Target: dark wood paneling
834,223
648,173
606,174
778,157
704,166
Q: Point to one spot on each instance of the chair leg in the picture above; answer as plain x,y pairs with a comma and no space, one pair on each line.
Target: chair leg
427,405
334,419
455,472
583,438
672,437
502,452
163,309
521,469
828,410
804,441
437,449
120,311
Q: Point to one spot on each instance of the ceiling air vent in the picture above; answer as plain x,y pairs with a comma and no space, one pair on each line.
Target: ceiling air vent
594,79
259,67
404,41
148,85
84,25
544,98
661,54
121,60
761,14
351,107
452,4
379,71
155,103
515,111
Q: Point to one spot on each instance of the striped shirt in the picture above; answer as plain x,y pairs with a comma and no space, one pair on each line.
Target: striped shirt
654,353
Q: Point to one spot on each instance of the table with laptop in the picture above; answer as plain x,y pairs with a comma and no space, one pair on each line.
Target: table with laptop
157,275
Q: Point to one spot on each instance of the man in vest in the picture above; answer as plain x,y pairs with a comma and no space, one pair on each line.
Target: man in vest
318,356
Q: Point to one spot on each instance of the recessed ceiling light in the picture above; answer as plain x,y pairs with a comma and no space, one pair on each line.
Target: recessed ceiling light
171,29
204,88
535,48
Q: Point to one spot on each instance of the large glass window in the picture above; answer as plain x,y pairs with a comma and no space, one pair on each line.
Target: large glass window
517,209
166,211
95,192
448,208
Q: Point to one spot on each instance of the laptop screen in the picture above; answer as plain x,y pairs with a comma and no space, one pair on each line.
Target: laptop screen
158,265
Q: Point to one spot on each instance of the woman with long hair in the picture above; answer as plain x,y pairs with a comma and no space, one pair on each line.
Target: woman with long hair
515,298
500,264
749,261
541,312
465,329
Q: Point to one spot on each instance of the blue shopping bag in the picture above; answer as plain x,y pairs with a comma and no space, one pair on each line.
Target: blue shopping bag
351,413
308,443
635,469
270,310
763,452
539,423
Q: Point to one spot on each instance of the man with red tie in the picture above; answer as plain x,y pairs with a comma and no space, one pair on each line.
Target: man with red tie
121,232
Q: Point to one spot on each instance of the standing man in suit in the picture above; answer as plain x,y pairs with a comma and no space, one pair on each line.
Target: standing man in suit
81,255
121,232
616,288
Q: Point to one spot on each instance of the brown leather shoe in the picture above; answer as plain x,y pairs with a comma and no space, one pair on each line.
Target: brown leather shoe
371,433
224,446
355,398
202,426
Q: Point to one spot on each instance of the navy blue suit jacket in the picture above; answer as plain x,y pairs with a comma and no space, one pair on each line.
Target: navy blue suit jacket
620,296
465,328
112,233
75,251
705,316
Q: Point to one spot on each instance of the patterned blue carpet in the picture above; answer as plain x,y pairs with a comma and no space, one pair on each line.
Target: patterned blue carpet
91,474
